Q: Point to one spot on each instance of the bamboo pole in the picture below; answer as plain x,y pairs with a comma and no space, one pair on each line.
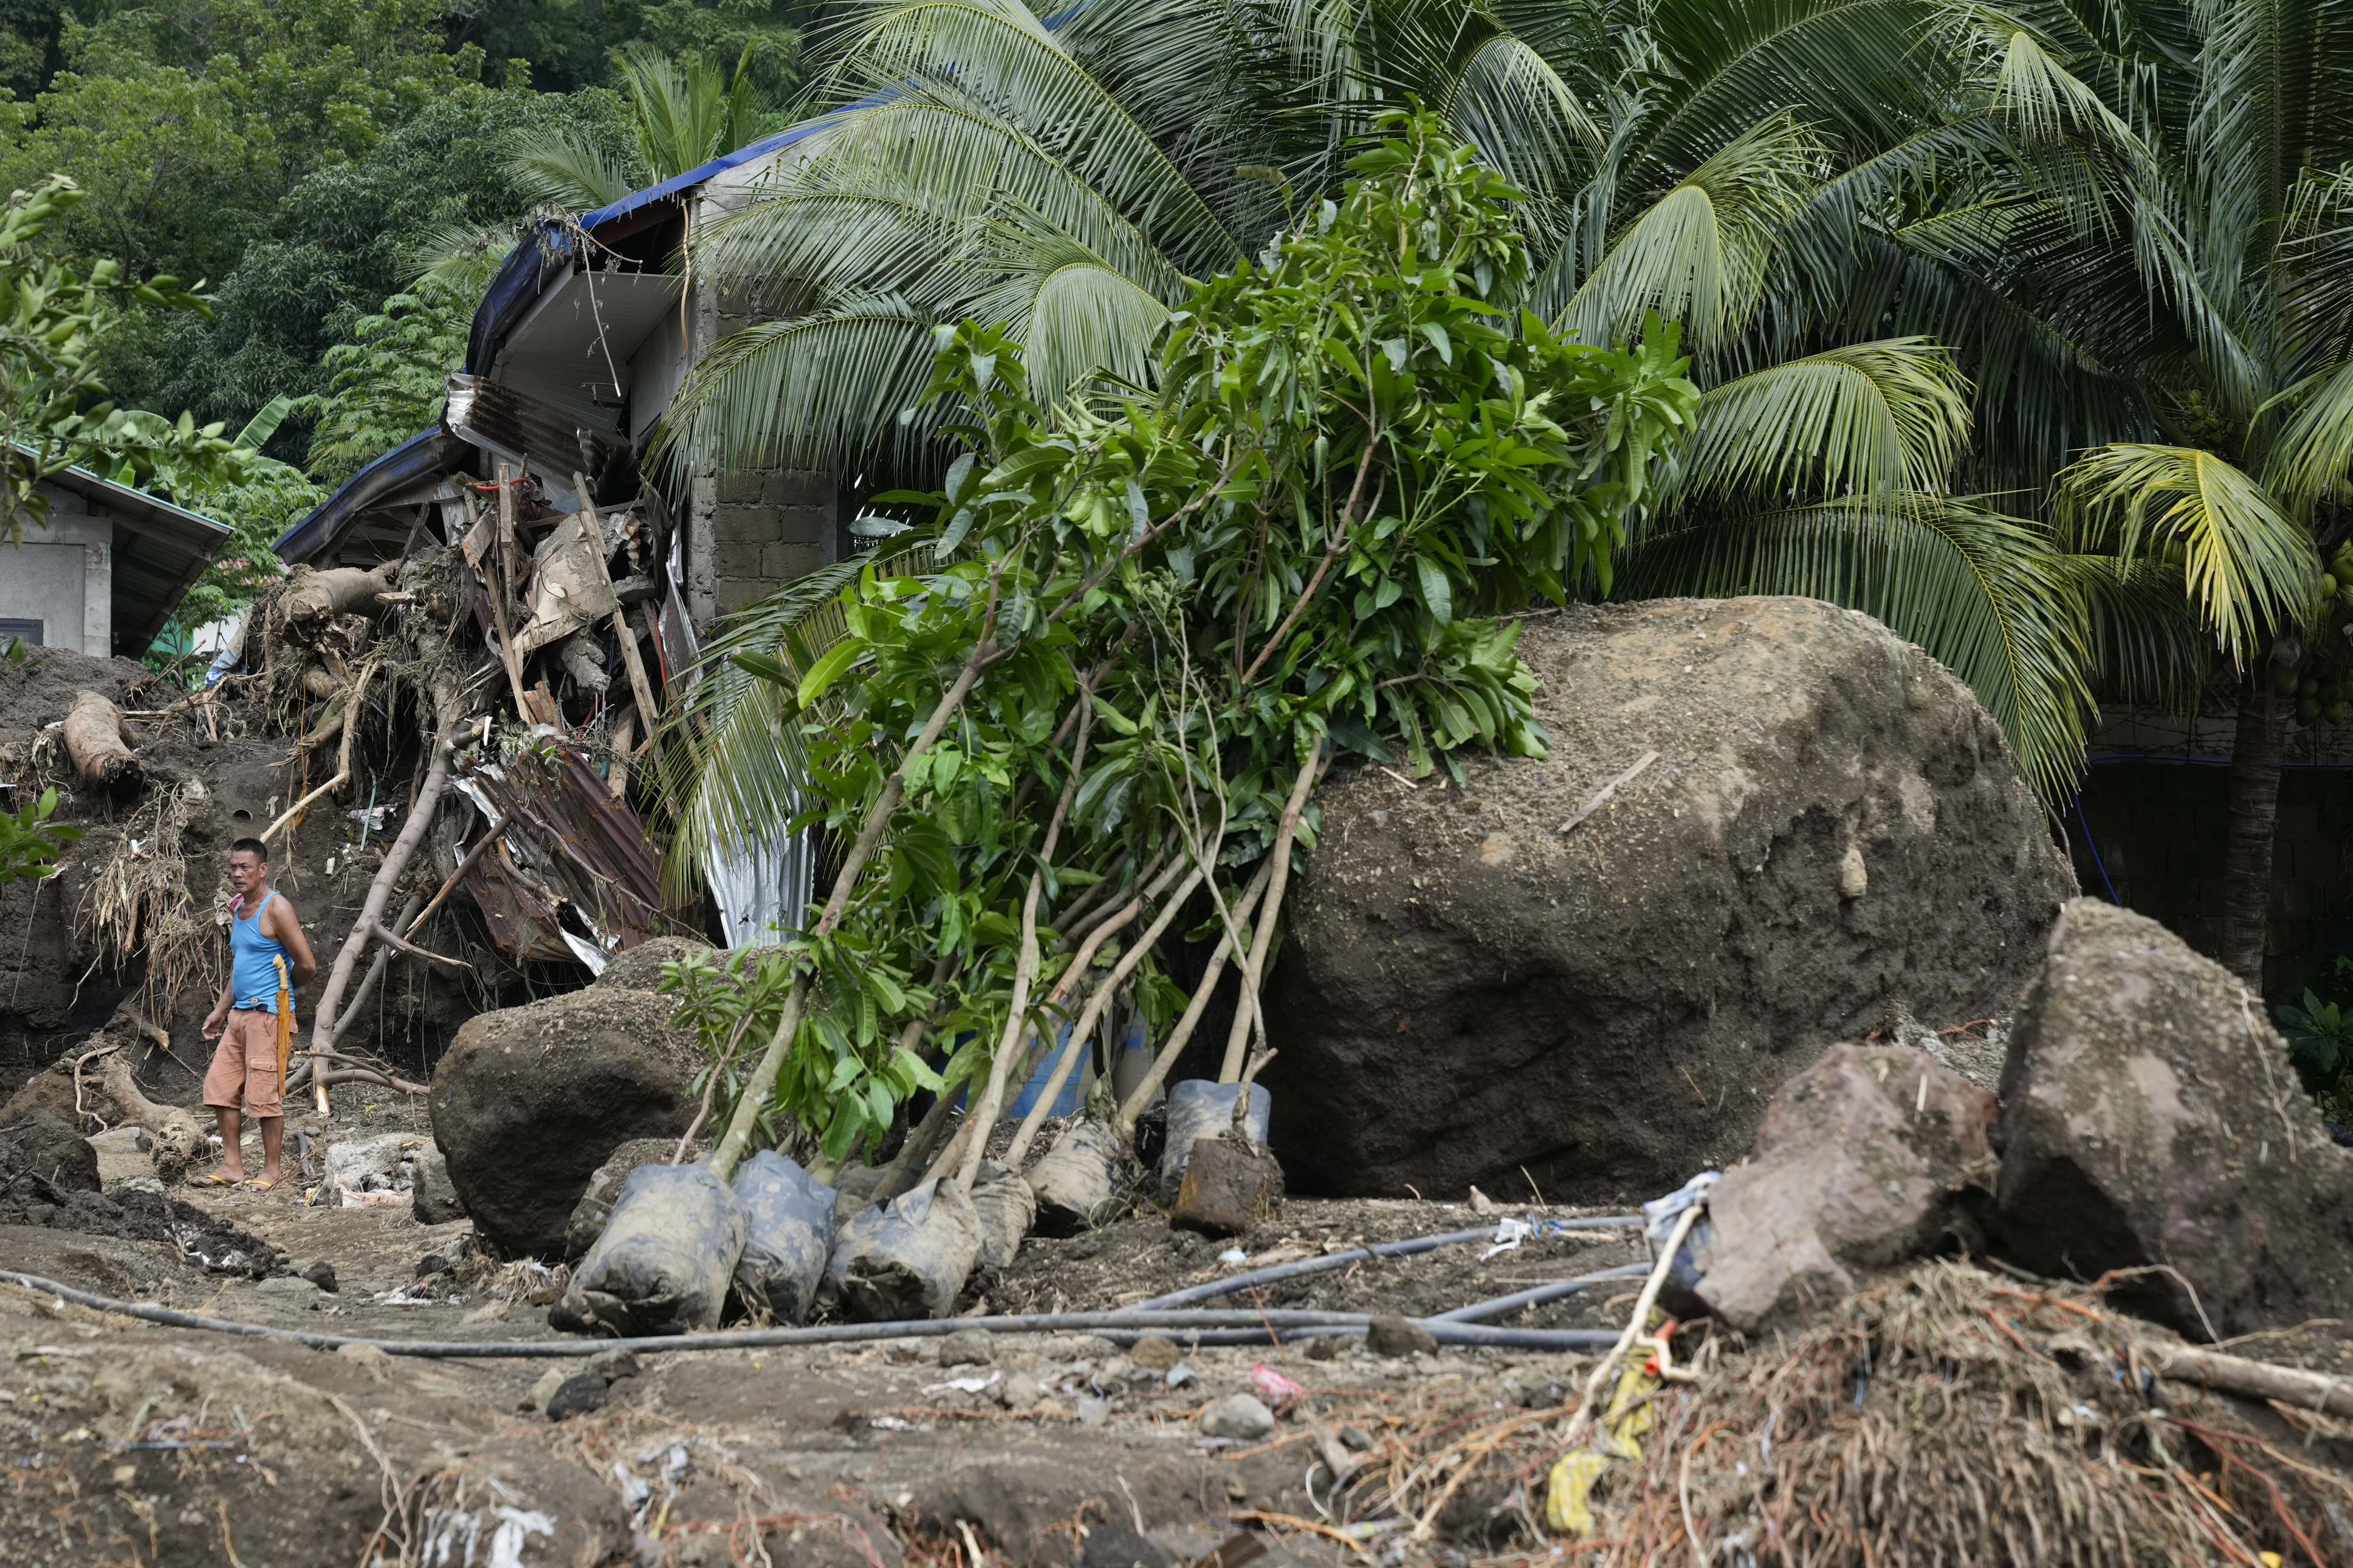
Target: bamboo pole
1269,913
1084,1027
1132,1107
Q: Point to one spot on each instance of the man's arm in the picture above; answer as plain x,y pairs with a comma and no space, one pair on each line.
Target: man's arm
280,924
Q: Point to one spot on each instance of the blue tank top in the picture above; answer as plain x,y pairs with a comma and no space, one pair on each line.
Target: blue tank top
253,979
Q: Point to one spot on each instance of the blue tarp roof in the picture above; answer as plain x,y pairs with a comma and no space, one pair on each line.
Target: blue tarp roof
422,456
750,150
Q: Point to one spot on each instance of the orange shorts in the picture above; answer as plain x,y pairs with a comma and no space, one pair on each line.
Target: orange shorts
246,1060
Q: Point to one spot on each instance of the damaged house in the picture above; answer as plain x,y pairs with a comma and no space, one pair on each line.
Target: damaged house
102,572
582,340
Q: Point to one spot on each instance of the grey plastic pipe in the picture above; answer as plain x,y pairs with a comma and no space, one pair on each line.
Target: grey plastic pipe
1478,1311
1406,1248
1228,1326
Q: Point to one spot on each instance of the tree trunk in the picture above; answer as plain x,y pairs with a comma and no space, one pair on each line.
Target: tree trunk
2255,812
93,733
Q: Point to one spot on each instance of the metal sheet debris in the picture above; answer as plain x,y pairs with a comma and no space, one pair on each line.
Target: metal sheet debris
572,874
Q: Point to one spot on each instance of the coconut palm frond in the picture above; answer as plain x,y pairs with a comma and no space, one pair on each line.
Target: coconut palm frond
1076,314
1506,100
1862,74
1699,253
1866,419
997,52
2310,461
569,170
796,393
2142,640
1982,593
2316,264
2248,566
844,240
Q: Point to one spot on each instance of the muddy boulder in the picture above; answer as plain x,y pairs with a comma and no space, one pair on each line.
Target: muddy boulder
529,1100
1832,831
640,968
48,1146
1870,1156
2151,1120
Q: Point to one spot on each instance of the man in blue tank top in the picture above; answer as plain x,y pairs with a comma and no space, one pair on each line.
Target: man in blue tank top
262,928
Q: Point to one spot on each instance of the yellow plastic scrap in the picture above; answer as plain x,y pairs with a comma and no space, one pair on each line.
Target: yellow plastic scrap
1568,1508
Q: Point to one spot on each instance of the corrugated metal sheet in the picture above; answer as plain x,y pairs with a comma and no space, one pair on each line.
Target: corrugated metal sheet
565,844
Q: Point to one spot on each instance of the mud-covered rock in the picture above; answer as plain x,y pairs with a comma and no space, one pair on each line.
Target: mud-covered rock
39,1141
1833,829
2150,1118
1870,1156
529,1100
29,1197
434,1198
640,968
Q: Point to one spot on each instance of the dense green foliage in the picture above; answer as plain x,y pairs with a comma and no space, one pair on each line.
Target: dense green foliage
1358,454
29,841
309,160
55,412
1757,172
2320,1043
390,379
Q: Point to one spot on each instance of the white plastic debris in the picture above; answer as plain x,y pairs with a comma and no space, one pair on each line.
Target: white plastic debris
1509,1233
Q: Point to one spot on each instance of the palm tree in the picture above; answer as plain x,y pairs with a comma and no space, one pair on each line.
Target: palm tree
1749,169
685,113
2179,217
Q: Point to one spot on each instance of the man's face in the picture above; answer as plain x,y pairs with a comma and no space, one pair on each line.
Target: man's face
245,870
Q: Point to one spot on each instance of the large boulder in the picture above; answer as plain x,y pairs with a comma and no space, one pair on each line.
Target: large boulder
639,968
1872,1156
2151,1120
46,1145
1833,832
529,1100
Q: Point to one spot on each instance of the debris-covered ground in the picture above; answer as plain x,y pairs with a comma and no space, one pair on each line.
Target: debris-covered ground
131,1442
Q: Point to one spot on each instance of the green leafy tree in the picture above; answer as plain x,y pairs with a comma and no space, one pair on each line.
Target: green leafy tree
684,112
1115,656
258,504
53,410
189,121
29,841
390,379
432,194
1750,171
570,45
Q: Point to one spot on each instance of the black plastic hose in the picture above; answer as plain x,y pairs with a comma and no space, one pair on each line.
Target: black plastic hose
1406,1248
1228,1326
1478,1311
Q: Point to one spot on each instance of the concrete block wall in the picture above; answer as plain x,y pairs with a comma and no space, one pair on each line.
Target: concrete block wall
767,527
62,575
750,532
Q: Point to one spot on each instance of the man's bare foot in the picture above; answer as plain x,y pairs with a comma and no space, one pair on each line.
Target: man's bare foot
224,1177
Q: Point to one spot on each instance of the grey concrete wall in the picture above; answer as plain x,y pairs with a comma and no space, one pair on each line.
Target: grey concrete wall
751,532
767,527
63,576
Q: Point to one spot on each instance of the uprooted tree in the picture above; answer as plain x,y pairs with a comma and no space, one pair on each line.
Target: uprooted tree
1097,686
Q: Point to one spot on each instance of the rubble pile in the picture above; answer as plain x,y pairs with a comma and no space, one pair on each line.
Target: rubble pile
436,748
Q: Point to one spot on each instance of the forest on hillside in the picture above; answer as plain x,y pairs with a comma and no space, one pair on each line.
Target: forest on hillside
337,179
